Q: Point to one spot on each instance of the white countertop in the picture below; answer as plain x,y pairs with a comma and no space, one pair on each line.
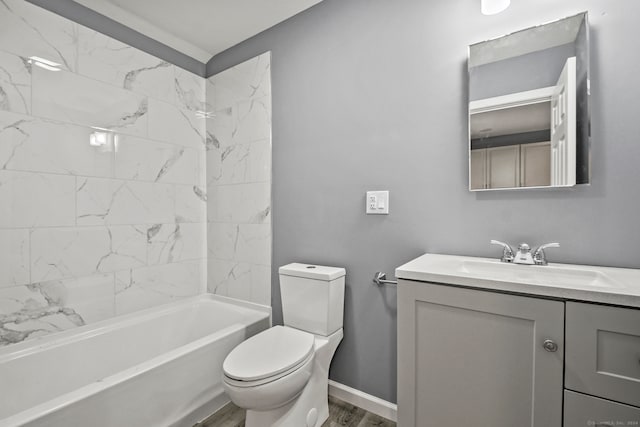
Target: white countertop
607,285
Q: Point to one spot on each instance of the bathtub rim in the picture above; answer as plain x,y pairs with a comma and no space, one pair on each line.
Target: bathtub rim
57,339
74,396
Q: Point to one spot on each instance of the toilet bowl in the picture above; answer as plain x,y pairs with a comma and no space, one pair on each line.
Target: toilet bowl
280,376
270,370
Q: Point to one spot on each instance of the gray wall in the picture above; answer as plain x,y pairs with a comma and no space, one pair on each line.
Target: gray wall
372,95
525,72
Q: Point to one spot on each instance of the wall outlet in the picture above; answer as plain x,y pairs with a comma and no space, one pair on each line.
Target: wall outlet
377,203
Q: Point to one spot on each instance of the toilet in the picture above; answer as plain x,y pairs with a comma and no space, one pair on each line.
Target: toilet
281,375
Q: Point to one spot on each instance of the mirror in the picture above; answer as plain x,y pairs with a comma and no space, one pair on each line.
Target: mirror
529,124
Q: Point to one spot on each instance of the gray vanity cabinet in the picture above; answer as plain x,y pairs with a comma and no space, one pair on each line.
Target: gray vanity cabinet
581,410
467,357
603,352
602,361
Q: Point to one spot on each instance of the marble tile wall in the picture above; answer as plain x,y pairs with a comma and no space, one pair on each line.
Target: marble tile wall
239,181
103,201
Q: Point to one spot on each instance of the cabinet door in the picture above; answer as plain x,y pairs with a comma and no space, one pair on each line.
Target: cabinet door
535,164
503,167
477,171
587,411
474,358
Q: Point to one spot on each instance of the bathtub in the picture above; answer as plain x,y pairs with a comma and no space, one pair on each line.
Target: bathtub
157,367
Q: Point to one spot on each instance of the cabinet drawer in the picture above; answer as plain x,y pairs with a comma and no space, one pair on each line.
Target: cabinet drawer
589,411
603,351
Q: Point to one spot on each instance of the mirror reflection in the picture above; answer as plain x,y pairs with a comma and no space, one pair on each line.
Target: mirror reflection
529,108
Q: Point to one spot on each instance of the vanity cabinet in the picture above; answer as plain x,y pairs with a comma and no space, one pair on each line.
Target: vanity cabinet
473,358
470,356
603,362
581,410
603,352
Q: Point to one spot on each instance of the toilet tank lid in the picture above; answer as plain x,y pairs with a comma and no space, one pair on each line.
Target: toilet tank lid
312,271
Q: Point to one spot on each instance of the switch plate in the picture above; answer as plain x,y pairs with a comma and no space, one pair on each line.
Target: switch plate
377,203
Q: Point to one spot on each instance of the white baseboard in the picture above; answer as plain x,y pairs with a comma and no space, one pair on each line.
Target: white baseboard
363,400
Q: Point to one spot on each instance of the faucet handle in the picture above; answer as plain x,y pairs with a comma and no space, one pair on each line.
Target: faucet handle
498,242
548,245
539,257
507,252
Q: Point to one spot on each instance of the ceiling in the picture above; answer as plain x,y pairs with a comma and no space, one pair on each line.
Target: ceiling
199,28
541,37
508,121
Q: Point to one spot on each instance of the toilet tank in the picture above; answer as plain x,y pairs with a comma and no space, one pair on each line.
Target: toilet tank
312,297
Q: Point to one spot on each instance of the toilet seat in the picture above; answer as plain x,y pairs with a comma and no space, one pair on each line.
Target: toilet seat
272,392
301,369
268,356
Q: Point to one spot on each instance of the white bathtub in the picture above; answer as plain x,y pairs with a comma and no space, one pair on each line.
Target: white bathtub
158,367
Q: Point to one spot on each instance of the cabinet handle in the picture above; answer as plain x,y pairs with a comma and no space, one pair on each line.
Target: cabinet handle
550,346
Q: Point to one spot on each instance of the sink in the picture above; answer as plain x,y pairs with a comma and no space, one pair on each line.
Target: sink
549,275
608,285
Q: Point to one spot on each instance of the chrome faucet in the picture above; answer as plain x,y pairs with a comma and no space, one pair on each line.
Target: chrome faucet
524,256
539,257
507,252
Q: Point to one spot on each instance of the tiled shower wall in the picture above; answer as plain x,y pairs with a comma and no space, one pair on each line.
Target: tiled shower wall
239,181
102,166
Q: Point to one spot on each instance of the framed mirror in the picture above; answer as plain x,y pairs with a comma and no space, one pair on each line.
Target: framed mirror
529,121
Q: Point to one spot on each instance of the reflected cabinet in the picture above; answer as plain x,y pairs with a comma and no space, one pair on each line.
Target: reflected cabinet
510,166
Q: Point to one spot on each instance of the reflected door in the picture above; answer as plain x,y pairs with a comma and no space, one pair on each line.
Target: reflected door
563,127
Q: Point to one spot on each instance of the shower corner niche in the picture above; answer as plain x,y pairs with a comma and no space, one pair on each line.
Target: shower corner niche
529,108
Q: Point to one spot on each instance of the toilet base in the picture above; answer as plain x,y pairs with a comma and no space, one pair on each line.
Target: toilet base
311,407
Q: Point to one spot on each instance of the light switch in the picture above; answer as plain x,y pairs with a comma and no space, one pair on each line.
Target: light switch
377,203
372,202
